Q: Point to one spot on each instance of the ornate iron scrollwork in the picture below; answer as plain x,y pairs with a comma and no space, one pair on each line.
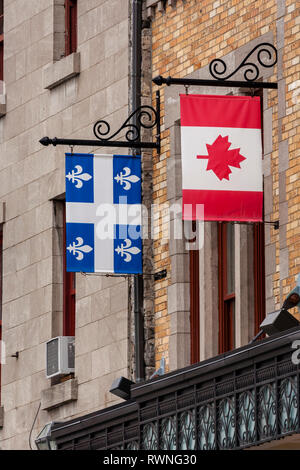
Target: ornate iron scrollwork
168,433
266,57
226,423
187,430
207,427
150,436
267,411
146,118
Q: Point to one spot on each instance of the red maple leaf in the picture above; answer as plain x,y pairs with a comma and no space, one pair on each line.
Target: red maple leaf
220,158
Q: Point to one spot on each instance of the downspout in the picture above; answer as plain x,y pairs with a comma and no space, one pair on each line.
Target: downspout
135,98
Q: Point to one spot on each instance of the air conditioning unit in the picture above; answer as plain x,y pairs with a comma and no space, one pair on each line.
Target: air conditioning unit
60,356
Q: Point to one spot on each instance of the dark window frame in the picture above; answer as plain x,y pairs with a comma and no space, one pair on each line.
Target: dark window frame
194,300
194,307
226,299
259,274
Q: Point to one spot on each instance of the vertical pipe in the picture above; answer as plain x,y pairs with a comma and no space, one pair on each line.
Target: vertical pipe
158,120
136,61
136,56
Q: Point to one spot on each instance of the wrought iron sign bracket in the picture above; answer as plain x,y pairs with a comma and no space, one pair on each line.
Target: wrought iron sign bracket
146,117
275,223
266,57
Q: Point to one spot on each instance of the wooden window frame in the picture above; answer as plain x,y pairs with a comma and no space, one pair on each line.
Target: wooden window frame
69,290
70,26
226,300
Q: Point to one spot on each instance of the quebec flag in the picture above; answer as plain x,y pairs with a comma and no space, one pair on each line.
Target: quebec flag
103,213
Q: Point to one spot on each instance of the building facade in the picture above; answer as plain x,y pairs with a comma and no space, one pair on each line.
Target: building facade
66,65
186,37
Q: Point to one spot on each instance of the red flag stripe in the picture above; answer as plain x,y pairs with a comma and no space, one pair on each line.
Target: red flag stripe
242,206
220,111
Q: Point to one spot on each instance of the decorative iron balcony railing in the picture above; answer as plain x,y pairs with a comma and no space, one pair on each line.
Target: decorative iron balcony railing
233,401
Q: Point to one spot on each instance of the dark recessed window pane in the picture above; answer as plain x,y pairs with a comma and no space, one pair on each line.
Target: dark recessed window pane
230,258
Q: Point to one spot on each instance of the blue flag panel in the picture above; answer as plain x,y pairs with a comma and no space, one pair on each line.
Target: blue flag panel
79,178
127,249
80,247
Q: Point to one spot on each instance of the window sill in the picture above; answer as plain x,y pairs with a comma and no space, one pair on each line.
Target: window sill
61,71
1,416
2,104
59,394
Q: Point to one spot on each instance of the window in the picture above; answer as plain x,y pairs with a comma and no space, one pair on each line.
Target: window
70,26
1,40
226,286
226,268
69,291
259,274
1,251
194,301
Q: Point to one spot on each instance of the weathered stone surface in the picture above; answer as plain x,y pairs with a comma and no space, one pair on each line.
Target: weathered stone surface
59,394
49,94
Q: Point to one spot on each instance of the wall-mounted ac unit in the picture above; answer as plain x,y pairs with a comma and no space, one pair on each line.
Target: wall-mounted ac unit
60,356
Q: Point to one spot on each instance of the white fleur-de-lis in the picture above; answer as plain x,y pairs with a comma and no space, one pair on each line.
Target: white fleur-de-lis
79,248
126,178
126,250
78,177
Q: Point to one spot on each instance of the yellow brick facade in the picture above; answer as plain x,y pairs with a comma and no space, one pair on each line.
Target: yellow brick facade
188,35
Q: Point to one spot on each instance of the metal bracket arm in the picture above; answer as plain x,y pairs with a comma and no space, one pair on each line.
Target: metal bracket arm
98,143
217,83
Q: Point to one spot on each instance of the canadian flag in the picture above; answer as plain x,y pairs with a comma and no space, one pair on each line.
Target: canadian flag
221,157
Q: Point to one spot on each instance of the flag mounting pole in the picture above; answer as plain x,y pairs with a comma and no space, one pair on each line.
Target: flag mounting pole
144,117
266,57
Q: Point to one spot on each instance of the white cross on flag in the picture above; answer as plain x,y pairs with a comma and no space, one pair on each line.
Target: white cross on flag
221,157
